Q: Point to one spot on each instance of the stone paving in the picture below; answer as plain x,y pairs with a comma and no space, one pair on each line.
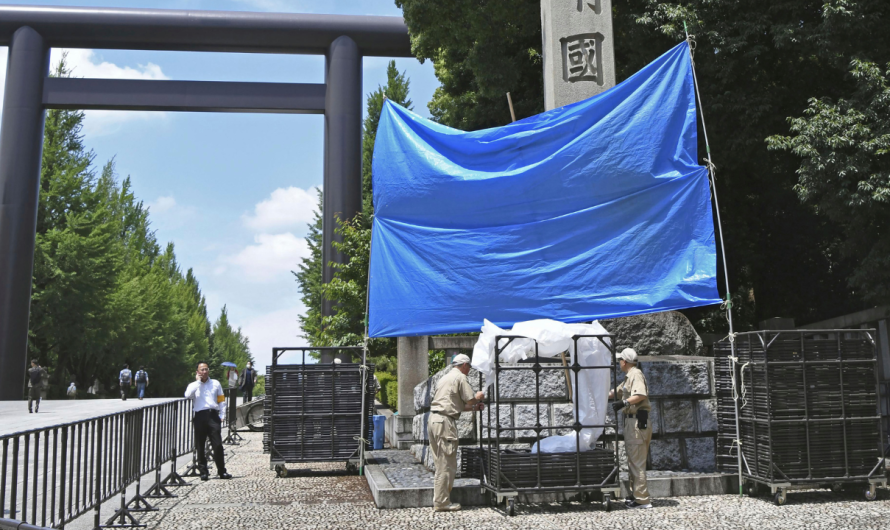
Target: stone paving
404,471
323,496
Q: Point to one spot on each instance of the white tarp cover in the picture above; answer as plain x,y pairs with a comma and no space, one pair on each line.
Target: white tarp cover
554,338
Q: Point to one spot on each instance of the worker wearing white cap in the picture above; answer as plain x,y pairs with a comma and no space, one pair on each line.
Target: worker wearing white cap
633,395
453,396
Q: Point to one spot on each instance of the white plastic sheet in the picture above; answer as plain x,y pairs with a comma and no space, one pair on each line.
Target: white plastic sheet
553,338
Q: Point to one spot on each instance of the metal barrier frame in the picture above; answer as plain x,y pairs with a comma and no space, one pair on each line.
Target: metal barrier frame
506,490
276,460
72,468
779,485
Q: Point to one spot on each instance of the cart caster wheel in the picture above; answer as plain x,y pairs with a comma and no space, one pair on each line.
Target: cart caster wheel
752,489
350,467
871,493
511,507
779,498
607,503
837,488
281,471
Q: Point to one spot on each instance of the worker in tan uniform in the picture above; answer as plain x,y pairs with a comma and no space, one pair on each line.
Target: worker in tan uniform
453,396
633,399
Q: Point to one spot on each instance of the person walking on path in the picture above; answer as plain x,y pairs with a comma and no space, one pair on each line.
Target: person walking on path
141,382
36,376
453,396
633,395
248,380
72,391
125,379
210,407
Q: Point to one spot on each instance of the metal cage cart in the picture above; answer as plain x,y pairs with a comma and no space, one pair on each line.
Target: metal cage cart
317,412
508,472
807,409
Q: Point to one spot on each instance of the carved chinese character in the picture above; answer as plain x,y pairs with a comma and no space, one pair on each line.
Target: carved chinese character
595,6
582,58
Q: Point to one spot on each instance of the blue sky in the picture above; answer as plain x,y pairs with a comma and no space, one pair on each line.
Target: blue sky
233,192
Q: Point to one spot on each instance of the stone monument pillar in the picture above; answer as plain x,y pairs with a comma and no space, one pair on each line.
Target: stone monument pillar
413,369
579,55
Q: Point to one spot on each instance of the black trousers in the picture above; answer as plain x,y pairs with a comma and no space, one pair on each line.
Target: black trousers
34,393
248,393
125,390
208,425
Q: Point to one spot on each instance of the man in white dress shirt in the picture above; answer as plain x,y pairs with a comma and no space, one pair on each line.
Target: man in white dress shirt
210,406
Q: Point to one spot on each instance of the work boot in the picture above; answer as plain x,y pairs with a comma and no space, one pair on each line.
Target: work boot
225,476
453,507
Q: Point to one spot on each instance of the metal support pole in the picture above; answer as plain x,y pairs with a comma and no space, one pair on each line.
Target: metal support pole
21,148
342,150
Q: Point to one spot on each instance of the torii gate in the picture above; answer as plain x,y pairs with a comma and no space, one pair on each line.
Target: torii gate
30,32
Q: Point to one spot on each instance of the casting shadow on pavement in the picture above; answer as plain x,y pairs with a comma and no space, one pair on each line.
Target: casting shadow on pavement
310,472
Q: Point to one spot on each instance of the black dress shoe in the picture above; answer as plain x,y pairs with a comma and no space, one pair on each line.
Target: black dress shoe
205,476
225,476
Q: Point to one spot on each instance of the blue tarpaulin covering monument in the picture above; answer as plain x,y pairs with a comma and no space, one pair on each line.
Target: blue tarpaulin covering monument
593,210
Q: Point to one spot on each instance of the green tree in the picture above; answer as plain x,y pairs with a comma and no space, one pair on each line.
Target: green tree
227,345
309,278
844,173
480,51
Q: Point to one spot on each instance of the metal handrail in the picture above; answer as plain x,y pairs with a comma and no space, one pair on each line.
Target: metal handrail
51,476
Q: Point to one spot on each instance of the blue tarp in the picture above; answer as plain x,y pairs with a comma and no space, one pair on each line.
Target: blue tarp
597,209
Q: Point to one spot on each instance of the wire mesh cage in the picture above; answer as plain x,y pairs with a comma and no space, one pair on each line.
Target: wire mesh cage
807,407
317,412
506,472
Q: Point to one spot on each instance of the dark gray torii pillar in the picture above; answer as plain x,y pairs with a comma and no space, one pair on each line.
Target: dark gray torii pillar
342,134
21,148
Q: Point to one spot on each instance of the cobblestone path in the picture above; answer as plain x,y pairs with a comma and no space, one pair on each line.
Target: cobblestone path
322,496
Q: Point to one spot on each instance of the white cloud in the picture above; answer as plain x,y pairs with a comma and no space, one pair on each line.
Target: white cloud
168,214
285,208
86,63
278,328
271,259
163,204
280,6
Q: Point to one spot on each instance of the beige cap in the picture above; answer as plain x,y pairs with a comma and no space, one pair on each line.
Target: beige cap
629,355
460,359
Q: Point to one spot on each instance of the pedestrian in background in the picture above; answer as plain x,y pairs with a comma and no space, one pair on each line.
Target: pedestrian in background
125,379
633,399
72,391
36,377
141,382
453,396
248,380
210,408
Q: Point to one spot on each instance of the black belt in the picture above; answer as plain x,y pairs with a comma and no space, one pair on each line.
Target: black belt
630,415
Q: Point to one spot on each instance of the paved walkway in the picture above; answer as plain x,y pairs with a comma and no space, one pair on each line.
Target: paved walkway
323,496
14,415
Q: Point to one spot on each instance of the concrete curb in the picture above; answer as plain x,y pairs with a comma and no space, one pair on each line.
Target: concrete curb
386,496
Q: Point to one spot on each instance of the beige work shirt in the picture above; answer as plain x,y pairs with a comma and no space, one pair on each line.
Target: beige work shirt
635,385
452,394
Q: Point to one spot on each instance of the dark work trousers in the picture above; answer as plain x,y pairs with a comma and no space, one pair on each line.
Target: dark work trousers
34,394
125,390
208,425
248,393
